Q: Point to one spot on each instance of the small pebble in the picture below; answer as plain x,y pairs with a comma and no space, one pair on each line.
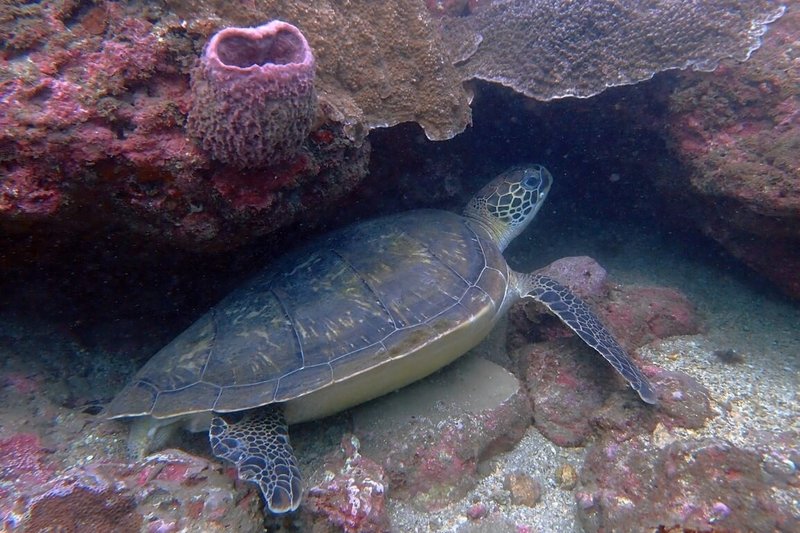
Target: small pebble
729,356
523,488
477,511
720,511
566,476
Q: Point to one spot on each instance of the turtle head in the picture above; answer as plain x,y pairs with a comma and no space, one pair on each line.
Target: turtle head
509,202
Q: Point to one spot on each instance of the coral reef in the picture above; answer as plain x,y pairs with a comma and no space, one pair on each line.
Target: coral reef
737,132
253,94
549,49
92,136
378,63
95,100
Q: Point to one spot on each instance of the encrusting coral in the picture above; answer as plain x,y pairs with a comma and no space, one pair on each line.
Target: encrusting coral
550,49
253,94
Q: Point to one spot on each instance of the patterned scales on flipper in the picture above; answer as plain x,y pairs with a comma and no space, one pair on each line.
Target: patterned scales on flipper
259,447
577,315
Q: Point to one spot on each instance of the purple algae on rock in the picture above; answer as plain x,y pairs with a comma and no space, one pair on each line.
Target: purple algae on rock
253,95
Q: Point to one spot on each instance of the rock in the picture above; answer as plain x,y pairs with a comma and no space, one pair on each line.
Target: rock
524,489
77,508
576,394
92,136
171,490
736,130
566,476
703,485
566,386
583,275
431,435
636,315
352,495
477,511
641,314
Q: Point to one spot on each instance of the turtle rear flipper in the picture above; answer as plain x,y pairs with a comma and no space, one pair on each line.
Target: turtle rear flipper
576,314
259,447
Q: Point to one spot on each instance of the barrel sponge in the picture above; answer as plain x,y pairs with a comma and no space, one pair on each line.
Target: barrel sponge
253,94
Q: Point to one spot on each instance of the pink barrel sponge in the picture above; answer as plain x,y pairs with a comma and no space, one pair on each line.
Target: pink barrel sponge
254,98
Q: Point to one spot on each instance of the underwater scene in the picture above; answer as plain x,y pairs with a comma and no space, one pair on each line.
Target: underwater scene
463,266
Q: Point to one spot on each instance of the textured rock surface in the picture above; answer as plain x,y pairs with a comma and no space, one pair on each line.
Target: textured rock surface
702,485
431,435
583,275
643,314
549,49
575,393
61,466
351,497
737,130
92,136
637,315
169,491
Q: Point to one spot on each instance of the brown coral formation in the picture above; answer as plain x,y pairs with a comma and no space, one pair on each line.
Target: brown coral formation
378,63
549,49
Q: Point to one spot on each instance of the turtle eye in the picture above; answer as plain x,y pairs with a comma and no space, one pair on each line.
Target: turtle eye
532,179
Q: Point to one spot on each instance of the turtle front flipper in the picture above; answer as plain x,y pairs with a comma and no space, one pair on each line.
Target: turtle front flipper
259,447
576,314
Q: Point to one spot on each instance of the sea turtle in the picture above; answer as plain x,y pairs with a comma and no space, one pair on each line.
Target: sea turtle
361,312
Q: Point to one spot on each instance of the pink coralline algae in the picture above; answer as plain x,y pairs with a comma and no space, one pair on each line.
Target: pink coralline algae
175,491
254,97
695,485
63,107
737,131
353,495
22,460
93,116
574,399
22,464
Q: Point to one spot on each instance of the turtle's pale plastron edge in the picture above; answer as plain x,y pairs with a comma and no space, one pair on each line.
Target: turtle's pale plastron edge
359,313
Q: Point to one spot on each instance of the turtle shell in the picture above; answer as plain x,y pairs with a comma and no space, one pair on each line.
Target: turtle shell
345,306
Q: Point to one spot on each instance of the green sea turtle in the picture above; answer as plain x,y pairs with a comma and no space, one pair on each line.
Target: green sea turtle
361,312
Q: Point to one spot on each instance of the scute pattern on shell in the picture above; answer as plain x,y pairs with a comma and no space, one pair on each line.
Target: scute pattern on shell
359,298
